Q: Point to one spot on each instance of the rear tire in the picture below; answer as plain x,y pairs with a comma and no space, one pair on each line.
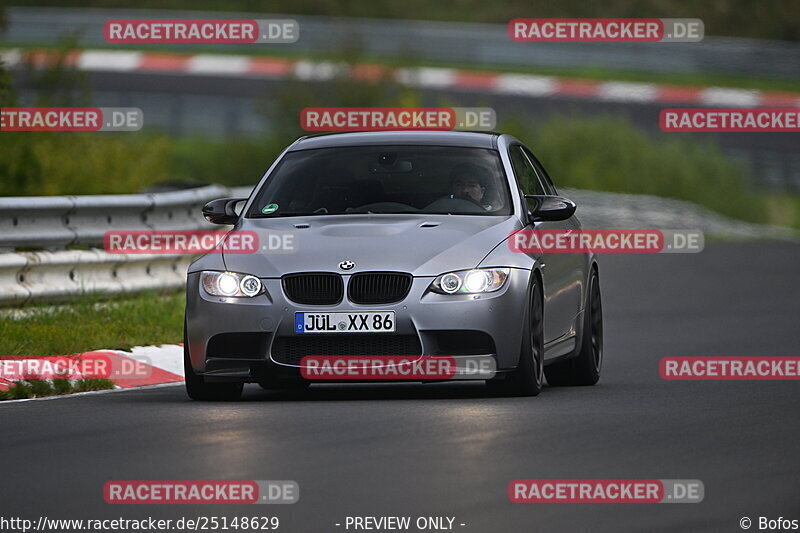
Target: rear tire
527,379
584,369
198,389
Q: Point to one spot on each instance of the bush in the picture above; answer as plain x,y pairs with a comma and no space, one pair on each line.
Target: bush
43,163
237,162
610,154
58,163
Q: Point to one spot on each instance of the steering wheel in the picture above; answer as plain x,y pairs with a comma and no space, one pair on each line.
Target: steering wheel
459,205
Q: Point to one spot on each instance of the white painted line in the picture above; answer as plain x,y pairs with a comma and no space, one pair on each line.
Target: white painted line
621,91
218,64
317,70
525,84
427,77
109,60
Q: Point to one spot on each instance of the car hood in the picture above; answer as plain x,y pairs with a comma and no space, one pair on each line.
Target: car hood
421,245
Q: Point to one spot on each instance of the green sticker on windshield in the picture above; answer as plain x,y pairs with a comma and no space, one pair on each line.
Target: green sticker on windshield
271,208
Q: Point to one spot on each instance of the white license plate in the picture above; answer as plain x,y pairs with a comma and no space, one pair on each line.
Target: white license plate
369,322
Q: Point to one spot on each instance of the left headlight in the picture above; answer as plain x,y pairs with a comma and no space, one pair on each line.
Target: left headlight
471,281
231,284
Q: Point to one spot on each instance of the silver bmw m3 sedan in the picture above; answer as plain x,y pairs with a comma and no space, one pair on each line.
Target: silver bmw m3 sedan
394,244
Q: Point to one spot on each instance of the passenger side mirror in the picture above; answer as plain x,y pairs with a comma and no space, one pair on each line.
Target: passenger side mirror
223,210
549,208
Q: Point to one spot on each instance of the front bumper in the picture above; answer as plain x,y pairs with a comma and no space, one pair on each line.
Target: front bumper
238,338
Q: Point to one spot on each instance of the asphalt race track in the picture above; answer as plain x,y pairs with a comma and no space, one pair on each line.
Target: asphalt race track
446,450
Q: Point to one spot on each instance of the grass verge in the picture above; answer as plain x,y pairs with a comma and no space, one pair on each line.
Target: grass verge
90,323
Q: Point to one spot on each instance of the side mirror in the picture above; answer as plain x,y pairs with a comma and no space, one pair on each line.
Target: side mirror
549,207
222,211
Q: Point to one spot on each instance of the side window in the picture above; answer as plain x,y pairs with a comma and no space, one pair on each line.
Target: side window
525,172
543,177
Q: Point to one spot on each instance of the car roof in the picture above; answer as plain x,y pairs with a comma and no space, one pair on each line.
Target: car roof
469,139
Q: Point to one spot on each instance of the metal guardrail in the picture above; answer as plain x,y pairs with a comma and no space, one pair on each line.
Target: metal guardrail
606,210
469,43
54,223
44,276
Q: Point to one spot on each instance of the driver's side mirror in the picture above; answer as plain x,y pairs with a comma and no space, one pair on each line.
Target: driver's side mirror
223,210
550,208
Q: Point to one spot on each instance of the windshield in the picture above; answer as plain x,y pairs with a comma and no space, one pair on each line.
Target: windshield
385,179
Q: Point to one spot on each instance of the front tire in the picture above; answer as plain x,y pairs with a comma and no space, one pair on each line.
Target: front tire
198,389
528,378
584,369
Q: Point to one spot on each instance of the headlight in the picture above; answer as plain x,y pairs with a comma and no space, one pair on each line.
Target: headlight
471,281
231,284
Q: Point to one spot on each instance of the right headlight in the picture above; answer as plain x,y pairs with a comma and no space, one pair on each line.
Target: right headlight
231,284
471,281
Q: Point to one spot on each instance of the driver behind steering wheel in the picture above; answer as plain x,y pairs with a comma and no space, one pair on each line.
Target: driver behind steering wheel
467,182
